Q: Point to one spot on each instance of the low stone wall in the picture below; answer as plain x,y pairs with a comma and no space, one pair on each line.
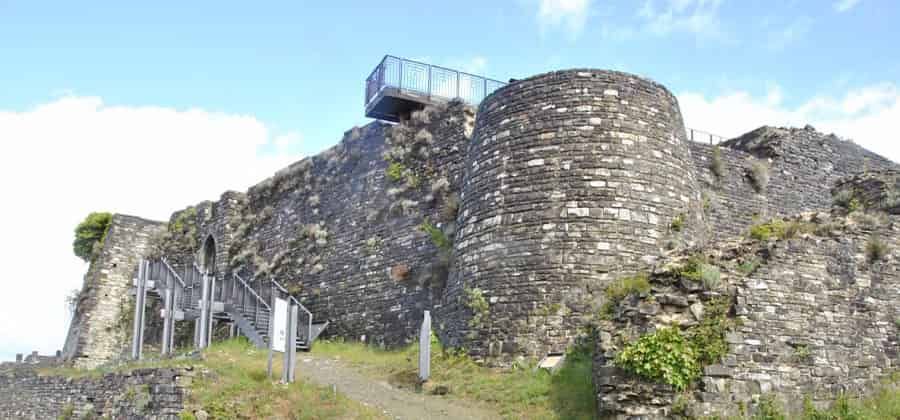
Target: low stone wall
817,318
140,394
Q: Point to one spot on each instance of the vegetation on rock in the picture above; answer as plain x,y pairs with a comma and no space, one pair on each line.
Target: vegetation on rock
622,288
759,175
664,355
90,234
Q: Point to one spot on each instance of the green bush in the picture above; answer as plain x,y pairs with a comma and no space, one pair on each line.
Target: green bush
710,276
662,356
479,306
749,266
90,234
623,287
876,249
395,171
708,337
697,269
847,200
780,229
716,164
769,409
677,223
759,175
438,237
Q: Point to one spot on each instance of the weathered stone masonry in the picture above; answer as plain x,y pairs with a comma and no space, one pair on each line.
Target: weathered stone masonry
573,178
804,166
817,319
570,180
100,331
140,394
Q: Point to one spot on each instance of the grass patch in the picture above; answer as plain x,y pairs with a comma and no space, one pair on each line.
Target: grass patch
238,388
519,393
780,229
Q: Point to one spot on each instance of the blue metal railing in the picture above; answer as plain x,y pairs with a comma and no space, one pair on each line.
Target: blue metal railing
432,81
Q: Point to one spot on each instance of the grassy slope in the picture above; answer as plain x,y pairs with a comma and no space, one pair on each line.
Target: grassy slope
237,388
523,393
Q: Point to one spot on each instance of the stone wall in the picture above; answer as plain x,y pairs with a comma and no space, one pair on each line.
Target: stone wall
140,394
573,178
804,165
818,317
344,237
100,330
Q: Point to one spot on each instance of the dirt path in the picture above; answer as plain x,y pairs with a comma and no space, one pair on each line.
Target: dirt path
395,402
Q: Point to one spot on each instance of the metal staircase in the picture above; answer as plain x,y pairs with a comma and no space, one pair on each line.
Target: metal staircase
193,295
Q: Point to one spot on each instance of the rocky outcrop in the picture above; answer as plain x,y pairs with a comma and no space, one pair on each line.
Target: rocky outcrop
814,315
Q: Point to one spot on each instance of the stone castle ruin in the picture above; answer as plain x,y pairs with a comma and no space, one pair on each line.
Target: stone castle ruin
510,222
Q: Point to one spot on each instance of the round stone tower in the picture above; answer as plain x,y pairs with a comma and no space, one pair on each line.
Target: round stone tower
573,179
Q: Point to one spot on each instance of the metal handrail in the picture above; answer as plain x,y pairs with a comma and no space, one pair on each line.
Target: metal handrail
258,298
701,136
293,299
443,85
172,271
300,305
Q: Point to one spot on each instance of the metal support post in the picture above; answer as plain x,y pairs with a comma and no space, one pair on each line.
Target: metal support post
271,332
292,343
286,359
137,333
209,314
204,312
167,321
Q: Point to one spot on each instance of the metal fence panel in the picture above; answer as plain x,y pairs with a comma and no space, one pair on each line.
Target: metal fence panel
413,76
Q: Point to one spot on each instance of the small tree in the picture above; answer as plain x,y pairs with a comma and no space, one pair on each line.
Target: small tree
89,235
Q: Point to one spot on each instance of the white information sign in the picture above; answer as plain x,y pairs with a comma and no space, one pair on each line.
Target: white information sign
280,325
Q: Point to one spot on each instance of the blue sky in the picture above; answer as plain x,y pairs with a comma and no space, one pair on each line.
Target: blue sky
117,105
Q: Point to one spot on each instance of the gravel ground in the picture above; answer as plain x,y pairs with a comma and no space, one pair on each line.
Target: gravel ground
394,402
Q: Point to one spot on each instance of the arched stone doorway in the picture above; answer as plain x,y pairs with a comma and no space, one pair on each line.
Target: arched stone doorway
208,255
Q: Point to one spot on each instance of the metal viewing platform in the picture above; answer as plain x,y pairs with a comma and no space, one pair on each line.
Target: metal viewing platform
399,86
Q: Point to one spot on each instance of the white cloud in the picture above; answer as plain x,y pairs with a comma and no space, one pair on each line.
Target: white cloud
869,115
569,15
698,17
845,5
793,32
66,158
